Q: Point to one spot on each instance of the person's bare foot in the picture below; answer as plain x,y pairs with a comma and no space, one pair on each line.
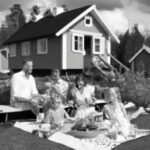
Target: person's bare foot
137,113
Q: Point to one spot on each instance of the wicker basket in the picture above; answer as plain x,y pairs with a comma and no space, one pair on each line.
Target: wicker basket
83,134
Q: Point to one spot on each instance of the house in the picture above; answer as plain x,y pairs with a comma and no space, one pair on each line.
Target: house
141,60
62,41
3,60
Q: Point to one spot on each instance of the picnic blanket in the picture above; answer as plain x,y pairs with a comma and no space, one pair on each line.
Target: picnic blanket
99,143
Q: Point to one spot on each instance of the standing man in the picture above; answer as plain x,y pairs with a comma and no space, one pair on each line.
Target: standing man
23,88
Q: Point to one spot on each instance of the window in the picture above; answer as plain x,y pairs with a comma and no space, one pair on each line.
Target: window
12,50
25,49
88,21
42,46
78,43
98,45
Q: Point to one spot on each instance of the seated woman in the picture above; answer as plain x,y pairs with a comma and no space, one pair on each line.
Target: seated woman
56,115
116,114
83,96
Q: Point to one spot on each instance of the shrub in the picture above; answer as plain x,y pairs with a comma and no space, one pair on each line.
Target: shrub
135,88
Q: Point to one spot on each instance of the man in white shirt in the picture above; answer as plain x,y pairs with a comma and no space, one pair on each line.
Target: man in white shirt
23,88
58,85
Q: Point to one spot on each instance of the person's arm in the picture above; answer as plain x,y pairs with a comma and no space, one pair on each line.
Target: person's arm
106,112
21,99
67,116
14,87
48,117
34,88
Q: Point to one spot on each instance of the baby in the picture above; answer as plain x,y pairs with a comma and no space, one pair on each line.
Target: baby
56,115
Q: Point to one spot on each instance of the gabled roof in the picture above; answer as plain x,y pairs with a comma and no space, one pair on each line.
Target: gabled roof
146,48
54,25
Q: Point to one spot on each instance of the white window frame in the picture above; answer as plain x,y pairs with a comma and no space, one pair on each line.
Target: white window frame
73,43
14,48
102,49
25,53
91,21
94,50
38,46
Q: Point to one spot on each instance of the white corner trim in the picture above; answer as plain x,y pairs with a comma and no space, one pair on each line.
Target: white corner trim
75,20
143,48
105,26
64,51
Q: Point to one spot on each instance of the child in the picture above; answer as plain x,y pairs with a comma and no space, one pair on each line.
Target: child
56,115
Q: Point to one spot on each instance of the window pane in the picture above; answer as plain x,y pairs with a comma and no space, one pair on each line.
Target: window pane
76,38
97,48
97,41
81,43
97,45
88,21
76,45
12,50
42,46
25,49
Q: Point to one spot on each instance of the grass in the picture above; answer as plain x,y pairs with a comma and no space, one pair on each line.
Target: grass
16,139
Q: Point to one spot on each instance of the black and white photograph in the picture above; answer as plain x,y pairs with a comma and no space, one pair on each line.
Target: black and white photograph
75,74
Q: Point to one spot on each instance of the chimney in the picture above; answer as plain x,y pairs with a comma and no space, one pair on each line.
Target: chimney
58,10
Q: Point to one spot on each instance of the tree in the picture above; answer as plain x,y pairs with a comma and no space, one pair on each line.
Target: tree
13,21
3,34
16,18
35,11
48,12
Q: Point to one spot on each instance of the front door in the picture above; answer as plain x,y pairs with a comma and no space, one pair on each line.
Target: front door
88,51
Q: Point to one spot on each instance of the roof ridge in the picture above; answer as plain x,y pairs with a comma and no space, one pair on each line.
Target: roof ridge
75,9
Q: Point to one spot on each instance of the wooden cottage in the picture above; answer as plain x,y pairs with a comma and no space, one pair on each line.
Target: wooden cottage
63,41
140,62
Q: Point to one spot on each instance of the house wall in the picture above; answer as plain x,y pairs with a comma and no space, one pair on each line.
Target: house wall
95,28
142,61
76,60
41,61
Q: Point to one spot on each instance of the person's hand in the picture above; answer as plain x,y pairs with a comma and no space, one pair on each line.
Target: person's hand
21,99
72,84
34,102
70,102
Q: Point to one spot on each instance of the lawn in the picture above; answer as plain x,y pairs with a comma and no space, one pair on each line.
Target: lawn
16,139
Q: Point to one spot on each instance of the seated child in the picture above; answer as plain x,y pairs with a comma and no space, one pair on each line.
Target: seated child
56,115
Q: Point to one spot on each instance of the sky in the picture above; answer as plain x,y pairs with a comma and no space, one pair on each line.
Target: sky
119,15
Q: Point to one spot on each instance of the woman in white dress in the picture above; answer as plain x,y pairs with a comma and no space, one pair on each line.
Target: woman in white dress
83,96
116,113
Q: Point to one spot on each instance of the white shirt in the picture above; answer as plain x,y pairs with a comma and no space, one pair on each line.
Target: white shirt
86,95
61,87
23,87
